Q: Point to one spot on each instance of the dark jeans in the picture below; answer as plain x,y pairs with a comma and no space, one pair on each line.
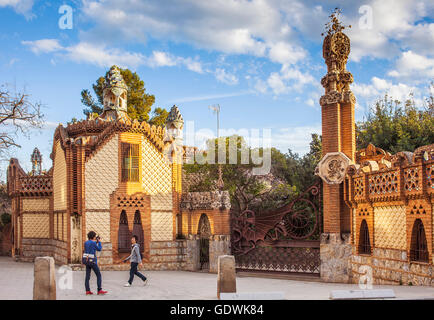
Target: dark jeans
133,271
95,269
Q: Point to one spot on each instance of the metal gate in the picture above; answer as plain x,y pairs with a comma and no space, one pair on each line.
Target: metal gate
204,235
281,240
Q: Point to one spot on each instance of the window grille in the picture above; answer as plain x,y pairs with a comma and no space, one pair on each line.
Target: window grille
124,234
419,248
364,241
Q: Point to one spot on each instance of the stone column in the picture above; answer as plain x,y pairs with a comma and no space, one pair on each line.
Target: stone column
192,253
219,245
335,254
226,279
44,285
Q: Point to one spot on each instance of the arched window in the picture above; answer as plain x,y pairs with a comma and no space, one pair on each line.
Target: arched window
138,230
418,248
124,234
364,241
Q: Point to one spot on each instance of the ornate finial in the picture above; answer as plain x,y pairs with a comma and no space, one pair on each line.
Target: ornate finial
36,159
334,25
114,95
114,79
175,116
220,184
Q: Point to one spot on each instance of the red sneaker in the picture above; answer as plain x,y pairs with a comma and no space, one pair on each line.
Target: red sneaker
102,292
89,292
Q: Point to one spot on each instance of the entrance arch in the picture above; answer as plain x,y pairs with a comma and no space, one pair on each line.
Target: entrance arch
124,234
418,246
204,232
138,230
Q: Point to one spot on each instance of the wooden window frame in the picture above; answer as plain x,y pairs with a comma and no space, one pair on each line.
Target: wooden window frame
130,162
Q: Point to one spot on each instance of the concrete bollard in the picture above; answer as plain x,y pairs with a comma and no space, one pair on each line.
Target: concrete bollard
44,283
226,281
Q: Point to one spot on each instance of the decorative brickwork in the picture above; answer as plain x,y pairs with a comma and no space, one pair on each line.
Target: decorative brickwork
37,205
101,175
161,226
100,223
390,227
400,195
36,225
59,179
157,173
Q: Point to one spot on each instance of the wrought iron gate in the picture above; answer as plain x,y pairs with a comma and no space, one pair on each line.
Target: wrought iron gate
204,235
281,240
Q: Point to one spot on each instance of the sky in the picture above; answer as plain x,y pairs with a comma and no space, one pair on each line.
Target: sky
260,60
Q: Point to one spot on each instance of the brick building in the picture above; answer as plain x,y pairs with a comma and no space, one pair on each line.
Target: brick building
117,177
378,222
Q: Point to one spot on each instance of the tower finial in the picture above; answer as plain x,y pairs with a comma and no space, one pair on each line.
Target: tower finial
36,159
334,25
114,95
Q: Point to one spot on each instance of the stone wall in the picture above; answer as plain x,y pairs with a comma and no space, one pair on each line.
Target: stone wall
391,266
192,253
335,253
32,248
219,245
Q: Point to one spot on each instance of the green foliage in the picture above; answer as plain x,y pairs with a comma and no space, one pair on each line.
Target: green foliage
290,174
395,126
159,116
139,102
5,218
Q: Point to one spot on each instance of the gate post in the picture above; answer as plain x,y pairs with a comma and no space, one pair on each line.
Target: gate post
338,147
219,245
192,258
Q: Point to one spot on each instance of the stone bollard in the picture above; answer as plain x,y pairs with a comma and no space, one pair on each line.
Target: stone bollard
44,283
226,281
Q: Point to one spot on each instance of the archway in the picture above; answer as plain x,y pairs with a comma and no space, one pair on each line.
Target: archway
124,234
204,232
364,241
418,248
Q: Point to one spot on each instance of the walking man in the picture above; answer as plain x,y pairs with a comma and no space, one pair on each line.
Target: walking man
135,259
91,246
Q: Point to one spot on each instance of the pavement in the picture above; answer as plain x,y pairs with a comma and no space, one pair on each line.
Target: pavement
16,282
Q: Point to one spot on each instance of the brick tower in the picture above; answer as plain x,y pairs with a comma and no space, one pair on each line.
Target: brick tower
338,141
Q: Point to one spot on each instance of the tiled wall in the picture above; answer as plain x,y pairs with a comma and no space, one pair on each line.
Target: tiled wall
59,179
390,227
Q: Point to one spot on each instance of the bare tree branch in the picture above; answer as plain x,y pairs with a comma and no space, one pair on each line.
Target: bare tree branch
18,115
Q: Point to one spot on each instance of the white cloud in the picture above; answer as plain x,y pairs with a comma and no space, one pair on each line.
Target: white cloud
257,27
285,53
165,59
103,56
223,76
289,78
369,93
23,7
43,45
396,24
412,66
161,59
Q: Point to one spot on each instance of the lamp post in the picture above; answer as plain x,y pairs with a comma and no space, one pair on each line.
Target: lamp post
216,110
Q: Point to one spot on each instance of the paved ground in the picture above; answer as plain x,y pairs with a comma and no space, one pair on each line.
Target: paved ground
16,282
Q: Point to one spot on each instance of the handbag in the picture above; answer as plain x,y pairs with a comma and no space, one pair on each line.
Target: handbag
88,259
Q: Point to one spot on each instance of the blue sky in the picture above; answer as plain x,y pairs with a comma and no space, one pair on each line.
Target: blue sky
260,60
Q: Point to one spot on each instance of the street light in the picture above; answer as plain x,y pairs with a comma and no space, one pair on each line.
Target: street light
216,110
